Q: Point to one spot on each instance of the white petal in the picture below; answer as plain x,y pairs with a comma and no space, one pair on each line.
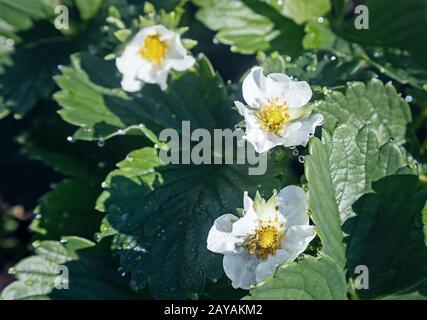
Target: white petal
246,225
178,48
152,74
131,84
294,243
139,38
259,139
240,269
183,64
254,88
220,239
297,239
128,62
299,94
267,267
150,31
240,107
162,79
277,86
301,135
247,202
293,206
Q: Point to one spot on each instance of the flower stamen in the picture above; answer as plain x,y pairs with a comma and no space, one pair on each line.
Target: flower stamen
266,240
153,49
273,116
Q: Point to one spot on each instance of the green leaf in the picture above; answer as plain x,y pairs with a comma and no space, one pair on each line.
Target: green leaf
237,25
417,292
20,15
49,140
374,103
301,10
322,68
366,161
339,171
250,26
68,209
318,35
28,77
308,279
399,65
425,224
392,54
88,8
91,99
92,275
386,236
322,203
163,216
392,23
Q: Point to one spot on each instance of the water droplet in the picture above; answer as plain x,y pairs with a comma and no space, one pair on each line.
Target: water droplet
320,19
333,58
104,185
295,152
134,286
215,41
97,237
38,216
70,139
301,159
63,241
408,98
101,143
326,91
121,272
377,54
194,296
120,131
141,125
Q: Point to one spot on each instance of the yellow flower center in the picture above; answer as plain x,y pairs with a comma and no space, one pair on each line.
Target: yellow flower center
153,49
266,240
273,116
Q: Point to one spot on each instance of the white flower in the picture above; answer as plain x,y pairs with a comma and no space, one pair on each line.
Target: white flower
149,57
269,234
276,111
